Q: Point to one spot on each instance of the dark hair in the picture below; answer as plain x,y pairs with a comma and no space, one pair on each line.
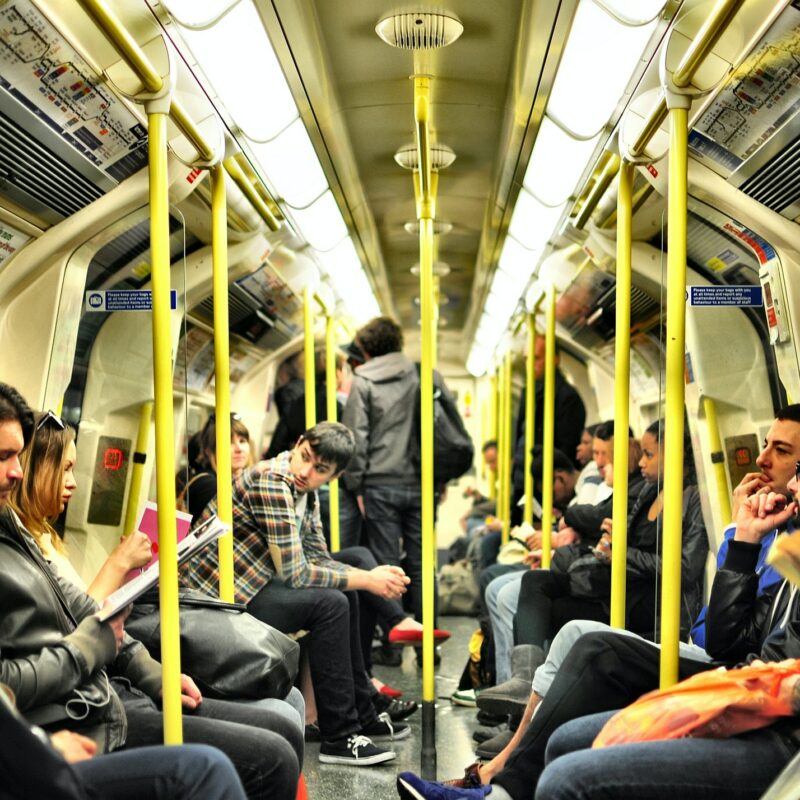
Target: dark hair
561,463
13,408
790,413
488,445
656,430
592,429
605,431
380,336
208,436
331,441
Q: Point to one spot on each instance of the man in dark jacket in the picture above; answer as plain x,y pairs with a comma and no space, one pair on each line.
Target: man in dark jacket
570,418
58,657
606,671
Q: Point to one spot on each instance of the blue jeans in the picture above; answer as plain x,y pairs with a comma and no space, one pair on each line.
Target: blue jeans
162,773
292,707
393,524
739,768
502,596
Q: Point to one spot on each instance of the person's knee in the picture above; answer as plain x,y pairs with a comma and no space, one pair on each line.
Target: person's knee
567,778
202,768
335,604
280,768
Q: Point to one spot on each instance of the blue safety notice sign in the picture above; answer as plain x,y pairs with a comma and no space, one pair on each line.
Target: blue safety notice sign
109,300
742,296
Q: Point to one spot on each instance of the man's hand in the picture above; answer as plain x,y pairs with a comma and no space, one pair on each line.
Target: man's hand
360,503
117,623
190,694
534,541
760,513
72,746
388,582
751,483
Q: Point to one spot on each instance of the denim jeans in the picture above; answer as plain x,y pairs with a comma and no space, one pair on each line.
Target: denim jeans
739,768
502,596
341,686
393,524
162,773
350,519
373,610
266,748
293,707
572,631
602,672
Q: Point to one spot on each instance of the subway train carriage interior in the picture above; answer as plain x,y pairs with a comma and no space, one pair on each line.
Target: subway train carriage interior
421,266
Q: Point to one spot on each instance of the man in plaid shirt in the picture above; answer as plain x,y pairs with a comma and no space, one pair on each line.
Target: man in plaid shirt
286,576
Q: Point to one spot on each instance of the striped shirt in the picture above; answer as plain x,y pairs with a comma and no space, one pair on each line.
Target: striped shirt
268,540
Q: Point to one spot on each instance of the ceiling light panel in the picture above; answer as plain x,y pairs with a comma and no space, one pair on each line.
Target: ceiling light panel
532,222
321,223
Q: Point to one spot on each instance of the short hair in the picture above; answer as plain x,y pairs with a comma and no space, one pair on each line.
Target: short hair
488,445
561,463
331,441
208,436
380,336
13,408
790,413
591,429
605,431
37,497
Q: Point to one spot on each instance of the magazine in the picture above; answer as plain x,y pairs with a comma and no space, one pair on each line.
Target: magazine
200,537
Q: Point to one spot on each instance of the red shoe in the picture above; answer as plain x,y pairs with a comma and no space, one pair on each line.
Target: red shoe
390,692
413,636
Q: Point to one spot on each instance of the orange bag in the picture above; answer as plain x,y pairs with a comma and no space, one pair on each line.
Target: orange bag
713,705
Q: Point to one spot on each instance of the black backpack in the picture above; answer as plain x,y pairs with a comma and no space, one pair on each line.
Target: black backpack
453,451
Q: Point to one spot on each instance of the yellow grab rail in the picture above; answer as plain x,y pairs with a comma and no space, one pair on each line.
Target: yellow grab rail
165,439
598,190
672,437
508,433
249,191
139,459
622,377
309,358
718,459
330,389
493,434
222,382
530,410
549,429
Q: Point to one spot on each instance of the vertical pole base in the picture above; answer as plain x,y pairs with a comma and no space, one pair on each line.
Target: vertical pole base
428,753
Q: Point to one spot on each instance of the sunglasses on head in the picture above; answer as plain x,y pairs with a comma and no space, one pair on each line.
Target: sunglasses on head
51,418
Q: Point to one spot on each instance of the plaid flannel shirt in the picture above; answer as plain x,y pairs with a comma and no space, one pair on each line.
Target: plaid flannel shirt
265,532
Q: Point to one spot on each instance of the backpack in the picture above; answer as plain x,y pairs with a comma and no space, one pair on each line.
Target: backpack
453,451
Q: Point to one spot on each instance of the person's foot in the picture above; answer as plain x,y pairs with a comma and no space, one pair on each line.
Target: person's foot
384,729
470,780
355,750
398,635
464,697
396,709
494,746
387,655
389,691
410,787
486,732
312,733
485,718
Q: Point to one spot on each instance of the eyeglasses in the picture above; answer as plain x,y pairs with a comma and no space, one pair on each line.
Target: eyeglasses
51,418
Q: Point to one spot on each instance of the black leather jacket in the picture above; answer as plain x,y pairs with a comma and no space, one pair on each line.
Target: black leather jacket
53,647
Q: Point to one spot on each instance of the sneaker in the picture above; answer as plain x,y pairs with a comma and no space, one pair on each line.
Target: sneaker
312,733
464,697
410,787
396,709
356,750
384,729
470,780
486,732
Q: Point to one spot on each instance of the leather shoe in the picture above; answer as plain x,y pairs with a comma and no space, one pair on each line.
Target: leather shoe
414,636
396,709
492,747
511,697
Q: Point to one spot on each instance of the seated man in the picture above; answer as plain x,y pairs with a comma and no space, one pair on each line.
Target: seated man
56,656
63,766
287,578
606,670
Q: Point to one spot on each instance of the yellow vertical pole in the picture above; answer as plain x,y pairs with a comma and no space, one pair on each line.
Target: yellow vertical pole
311,362
165,440
622,377
508,428
502,452
549,429
493,434
426,211
330,388
675,389
139,459
222,381
484,436
717,459
530,391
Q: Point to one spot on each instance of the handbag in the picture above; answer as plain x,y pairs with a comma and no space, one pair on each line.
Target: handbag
589,577
229,653
714,705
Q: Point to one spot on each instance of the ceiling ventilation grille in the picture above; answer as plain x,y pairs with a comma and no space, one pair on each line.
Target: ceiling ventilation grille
777,183
420,30
35,177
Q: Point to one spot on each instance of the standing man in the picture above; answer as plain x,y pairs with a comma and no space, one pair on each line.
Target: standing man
381,412
570,418
285,575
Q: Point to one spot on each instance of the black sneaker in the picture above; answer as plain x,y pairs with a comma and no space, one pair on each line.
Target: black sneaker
396,709
383,729
312,733
356,750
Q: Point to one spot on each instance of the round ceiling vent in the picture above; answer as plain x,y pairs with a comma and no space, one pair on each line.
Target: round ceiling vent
439,227
440,269
442,156
419,30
